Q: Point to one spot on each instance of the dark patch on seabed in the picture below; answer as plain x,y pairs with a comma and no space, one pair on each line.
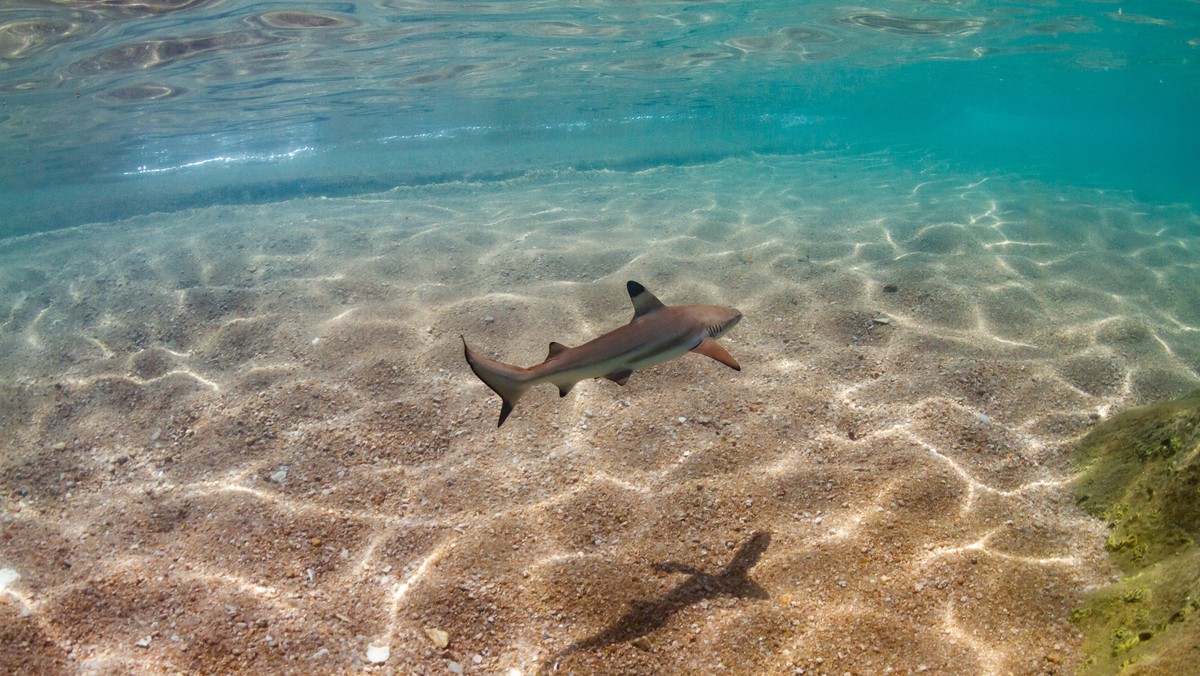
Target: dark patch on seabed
645,617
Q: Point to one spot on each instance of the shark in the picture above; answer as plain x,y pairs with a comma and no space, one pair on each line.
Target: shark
657,333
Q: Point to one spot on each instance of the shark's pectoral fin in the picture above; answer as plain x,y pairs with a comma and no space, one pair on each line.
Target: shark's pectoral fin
749,589
673,567
711,348
620,377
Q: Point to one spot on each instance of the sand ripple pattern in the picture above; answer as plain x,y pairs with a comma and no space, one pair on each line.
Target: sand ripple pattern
243,440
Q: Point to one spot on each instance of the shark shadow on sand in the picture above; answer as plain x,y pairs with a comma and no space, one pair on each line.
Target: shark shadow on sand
646,616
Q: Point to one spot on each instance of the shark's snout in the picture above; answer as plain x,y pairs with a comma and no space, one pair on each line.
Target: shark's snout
727,321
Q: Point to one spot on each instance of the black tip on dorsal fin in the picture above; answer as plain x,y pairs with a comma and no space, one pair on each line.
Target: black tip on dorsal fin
643,300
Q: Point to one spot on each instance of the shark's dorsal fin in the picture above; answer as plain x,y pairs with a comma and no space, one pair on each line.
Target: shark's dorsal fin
555,350
643,301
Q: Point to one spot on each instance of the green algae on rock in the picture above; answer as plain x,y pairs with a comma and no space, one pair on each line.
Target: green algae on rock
1140,472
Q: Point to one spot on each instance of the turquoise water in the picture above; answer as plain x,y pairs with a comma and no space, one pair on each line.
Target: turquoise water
120,108
240,242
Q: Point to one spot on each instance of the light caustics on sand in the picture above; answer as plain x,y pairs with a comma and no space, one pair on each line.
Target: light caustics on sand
981,546
983,328
380,647
398,566
990,659
143,382
398,589
974,485
308,507
990,656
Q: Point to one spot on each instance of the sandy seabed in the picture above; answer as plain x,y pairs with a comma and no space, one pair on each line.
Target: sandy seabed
244,439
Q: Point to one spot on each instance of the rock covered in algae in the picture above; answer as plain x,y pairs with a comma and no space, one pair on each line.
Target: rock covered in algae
1140,473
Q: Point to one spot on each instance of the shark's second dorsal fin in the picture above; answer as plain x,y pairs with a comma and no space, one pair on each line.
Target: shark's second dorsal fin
643,301
555,350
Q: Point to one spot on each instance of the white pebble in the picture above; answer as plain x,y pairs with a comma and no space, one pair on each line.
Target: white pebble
440,638
280,476
378,654
456,667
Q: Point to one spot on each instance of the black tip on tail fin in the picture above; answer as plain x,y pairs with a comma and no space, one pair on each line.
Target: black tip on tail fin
505,409
508,400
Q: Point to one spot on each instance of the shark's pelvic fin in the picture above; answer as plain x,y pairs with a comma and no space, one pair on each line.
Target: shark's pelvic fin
620,377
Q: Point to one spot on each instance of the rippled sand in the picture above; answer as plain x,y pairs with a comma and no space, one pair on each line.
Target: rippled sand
245,439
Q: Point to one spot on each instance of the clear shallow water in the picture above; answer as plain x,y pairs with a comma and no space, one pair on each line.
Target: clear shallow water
960,234
133,107
261,415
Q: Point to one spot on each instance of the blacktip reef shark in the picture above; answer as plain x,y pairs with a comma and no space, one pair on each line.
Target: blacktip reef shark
657,333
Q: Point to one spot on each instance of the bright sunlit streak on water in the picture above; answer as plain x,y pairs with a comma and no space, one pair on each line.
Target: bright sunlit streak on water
373,97
235,159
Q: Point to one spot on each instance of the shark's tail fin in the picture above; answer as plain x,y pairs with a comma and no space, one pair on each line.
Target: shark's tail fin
506,380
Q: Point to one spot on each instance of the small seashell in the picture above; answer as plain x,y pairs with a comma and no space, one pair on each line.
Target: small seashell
440,638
